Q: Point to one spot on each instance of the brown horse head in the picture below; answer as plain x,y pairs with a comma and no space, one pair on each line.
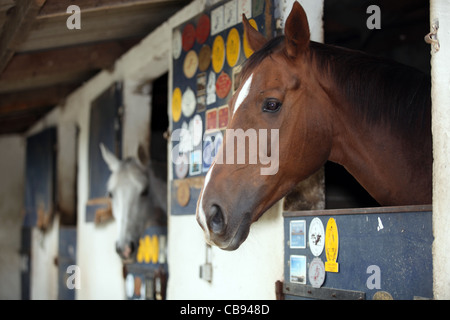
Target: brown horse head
257,164
300,104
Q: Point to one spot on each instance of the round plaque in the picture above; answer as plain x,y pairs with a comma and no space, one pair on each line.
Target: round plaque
223,85
188,37
188,102
183,194
181,166
316,237
196,129
203,28
204,57
190,64
176,104
218,54
316,273
233,47
176,44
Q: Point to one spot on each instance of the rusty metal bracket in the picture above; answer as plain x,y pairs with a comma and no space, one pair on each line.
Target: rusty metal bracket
431,38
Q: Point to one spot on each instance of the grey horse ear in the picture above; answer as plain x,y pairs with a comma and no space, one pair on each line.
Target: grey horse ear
142,156
111,160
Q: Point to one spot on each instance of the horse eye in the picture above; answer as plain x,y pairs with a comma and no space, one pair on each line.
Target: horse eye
271,105
144,192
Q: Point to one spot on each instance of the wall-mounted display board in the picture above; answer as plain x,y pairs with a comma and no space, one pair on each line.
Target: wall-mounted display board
208,52
146,278
367,253
105,127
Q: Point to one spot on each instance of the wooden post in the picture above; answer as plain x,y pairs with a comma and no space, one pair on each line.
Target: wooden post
440,93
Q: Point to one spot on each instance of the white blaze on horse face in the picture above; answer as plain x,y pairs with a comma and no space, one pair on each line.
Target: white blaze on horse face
201,211
243,93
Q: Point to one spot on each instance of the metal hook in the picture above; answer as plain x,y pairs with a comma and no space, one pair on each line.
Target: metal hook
431,38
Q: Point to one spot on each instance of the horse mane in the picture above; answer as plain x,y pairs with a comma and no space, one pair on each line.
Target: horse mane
379,90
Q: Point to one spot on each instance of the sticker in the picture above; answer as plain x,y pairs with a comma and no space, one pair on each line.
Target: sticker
129,286
188,37
185,139
203,28
236,77
183,194
190,64
233,47
211,88
216,20
211,145
196,129
316,273
201,103
181,166
204,58
316,237
223,85
230,14
201,84
331,246
297,234
223,117
247,50
218,54
211,119
176,44
258,7
176,104
188,102
297,269
195,166
245,7
382,295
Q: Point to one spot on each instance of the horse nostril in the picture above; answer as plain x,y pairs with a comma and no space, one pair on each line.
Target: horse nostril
216,221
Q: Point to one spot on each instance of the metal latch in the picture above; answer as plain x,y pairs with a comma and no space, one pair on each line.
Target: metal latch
432,39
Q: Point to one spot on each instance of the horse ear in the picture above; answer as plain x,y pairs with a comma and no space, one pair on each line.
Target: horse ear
255,39
297,31
109,157
142,156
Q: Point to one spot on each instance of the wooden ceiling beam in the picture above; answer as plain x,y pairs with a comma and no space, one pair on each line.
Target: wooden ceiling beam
57,8
63,65
17,27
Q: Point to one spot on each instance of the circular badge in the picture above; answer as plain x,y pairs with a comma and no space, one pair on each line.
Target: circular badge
203,28
196,129
188,102
218,54
190,64
316,237
176,104
129,286
223,85
204,57
181,166
233,47
316,273
183,194
247,50
188,37
176,44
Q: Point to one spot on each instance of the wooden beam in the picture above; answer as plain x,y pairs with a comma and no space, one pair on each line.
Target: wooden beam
57,8
16,29
24,101
65,65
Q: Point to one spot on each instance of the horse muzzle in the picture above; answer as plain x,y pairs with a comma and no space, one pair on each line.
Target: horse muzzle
221,229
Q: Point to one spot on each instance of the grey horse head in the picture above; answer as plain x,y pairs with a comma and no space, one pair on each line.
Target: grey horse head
138,192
